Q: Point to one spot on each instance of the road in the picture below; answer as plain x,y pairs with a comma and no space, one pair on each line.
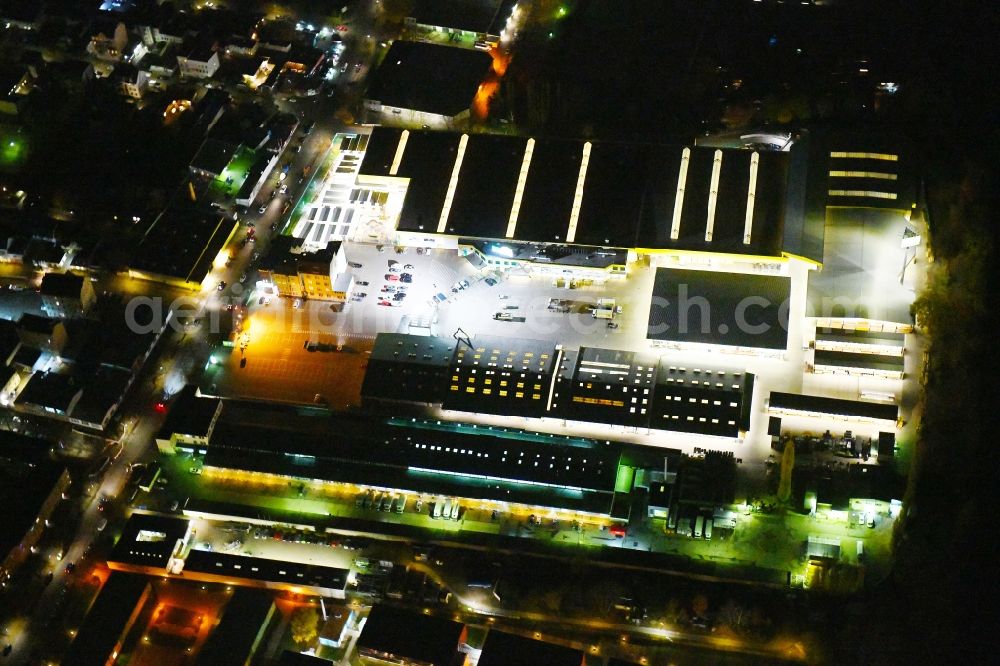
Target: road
183,353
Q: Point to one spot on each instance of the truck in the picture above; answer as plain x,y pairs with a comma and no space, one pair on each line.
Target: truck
446,510
699,523
437,509
708,528
454,511
400,503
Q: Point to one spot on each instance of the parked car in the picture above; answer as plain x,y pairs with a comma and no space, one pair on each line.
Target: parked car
406,277
362,283
395,278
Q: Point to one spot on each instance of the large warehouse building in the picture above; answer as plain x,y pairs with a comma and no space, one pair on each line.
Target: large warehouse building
535,379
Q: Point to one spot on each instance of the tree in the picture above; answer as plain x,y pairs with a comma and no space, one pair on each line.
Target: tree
305,624
787,464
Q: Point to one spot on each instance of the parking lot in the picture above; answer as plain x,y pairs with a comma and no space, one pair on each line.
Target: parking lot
445,293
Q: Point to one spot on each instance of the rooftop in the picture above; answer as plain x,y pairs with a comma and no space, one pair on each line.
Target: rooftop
504,649
265,570
429,77
148,540
501,376
480,16
233,637
408,367
62,285
182,244
754,209
411,635
426,456
27,478
213,156
106,620
190,414
710,307
814,404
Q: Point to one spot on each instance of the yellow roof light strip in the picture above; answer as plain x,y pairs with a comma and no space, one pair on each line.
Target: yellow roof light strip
863,193
519,190
398,157
879,175
885,157
675,225
713,195
452,184
751,197
581,179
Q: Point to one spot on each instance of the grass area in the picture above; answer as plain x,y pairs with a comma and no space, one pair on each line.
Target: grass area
236,170
13,147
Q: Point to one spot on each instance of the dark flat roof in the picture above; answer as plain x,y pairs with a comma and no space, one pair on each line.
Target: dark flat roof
628,198
213,156
411,635
429,77
503,649
547,199
262,569
428,162
106,620
189,414
418,349
62,285
232,639
885,338
483,16
27,479
426,456
833,406
50,390
855,360
380,151
148,540
486,183
675,313
446,447
407,367
183,243
612,194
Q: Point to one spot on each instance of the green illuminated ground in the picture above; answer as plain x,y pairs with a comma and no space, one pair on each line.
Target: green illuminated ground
236,170
13,147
